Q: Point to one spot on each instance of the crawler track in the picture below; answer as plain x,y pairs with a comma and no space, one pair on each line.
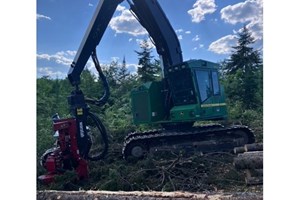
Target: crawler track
203,138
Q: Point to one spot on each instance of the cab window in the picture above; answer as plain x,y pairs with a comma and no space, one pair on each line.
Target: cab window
204,85
215,82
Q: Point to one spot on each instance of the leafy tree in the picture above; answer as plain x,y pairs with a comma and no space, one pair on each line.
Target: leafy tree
149,69
111,73
242,72
89,85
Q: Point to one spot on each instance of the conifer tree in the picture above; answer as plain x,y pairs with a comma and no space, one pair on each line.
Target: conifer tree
244,56
123,73
242,72
147,70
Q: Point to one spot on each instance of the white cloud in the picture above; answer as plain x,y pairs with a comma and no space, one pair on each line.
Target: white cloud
65,58
249,11
179,30
126,23
115,58
196,38
121,8
39,17
256,29
61,57
132,68
199,47
188,32
242,12
201,8
180,37
48,71
223,45
71,53
43,56
130,39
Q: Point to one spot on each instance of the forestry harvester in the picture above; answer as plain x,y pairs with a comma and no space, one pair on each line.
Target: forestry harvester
188,92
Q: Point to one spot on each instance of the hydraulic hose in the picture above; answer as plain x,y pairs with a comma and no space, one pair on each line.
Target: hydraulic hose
99,103
103,134
106,93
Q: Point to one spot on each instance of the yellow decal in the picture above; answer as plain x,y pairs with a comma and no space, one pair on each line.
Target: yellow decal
212,105
79,111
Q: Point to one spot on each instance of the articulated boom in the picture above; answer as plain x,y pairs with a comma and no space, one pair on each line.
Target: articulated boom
92,37
151,17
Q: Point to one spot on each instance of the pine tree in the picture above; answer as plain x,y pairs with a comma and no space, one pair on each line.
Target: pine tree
147,70
242,72
244,57
123,73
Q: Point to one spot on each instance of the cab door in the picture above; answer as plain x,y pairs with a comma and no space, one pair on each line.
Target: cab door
204,86
210,99
218,100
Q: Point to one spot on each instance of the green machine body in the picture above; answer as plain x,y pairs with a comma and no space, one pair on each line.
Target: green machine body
189,92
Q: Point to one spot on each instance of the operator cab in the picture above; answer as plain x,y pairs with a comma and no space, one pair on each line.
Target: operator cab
197,93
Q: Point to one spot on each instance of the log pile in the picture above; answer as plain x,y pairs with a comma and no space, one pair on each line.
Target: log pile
138,195
249,148
250,160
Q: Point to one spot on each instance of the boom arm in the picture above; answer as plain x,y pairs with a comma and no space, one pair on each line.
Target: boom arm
92,37
151,17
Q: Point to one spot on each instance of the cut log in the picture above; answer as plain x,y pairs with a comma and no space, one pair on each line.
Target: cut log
238,150
254,173
254,180
252,154
107,195
254,147
249,160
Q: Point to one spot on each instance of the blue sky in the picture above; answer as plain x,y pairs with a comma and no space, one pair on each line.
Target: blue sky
206,30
